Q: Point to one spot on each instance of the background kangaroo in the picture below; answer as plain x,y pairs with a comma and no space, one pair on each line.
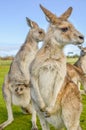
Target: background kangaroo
81,62
77,72
53,94
16,87
77,76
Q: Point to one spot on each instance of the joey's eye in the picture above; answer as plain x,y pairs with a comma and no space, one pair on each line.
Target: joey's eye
64,29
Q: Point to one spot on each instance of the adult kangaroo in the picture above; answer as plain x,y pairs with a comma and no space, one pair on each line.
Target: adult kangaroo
16,86
55,97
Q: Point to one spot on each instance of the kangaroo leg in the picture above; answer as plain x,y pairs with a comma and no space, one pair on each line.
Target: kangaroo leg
7,97
71,108
44,123
34,126
27,110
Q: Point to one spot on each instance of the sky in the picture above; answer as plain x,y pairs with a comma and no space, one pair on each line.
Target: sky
13,26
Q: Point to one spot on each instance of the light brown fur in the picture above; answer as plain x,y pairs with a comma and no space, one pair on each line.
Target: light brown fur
77,76
77,72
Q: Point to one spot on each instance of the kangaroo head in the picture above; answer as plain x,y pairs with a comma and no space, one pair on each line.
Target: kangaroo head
36,32
61,29
83,51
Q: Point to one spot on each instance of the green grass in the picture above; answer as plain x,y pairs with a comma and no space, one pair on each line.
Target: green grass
72,60
21,121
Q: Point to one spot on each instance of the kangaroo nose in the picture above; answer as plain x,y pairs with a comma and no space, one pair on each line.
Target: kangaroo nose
81,37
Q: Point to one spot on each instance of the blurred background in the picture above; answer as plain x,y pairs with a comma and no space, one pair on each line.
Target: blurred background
13,26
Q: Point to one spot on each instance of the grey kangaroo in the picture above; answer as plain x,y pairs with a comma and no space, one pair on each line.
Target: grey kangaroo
16,86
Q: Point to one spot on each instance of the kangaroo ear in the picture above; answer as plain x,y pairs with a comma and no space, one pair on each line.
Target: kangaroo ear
47,19
52,18
66,14
31,23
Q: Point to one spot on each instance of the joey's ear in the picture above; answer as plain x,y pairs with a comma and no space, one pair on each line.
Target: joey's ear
66,14
31,23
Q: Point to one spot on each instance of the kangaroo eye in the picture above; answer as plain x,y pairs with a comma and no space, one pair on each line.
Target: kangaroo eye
40,32
64,29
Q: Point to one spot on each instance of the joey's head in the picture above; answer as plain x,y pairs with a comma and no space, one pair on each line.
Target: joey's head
36,33
20,89
61,30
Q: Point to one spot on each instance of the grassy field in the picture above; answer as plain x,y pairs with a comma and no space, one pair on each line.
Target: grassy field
21,121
